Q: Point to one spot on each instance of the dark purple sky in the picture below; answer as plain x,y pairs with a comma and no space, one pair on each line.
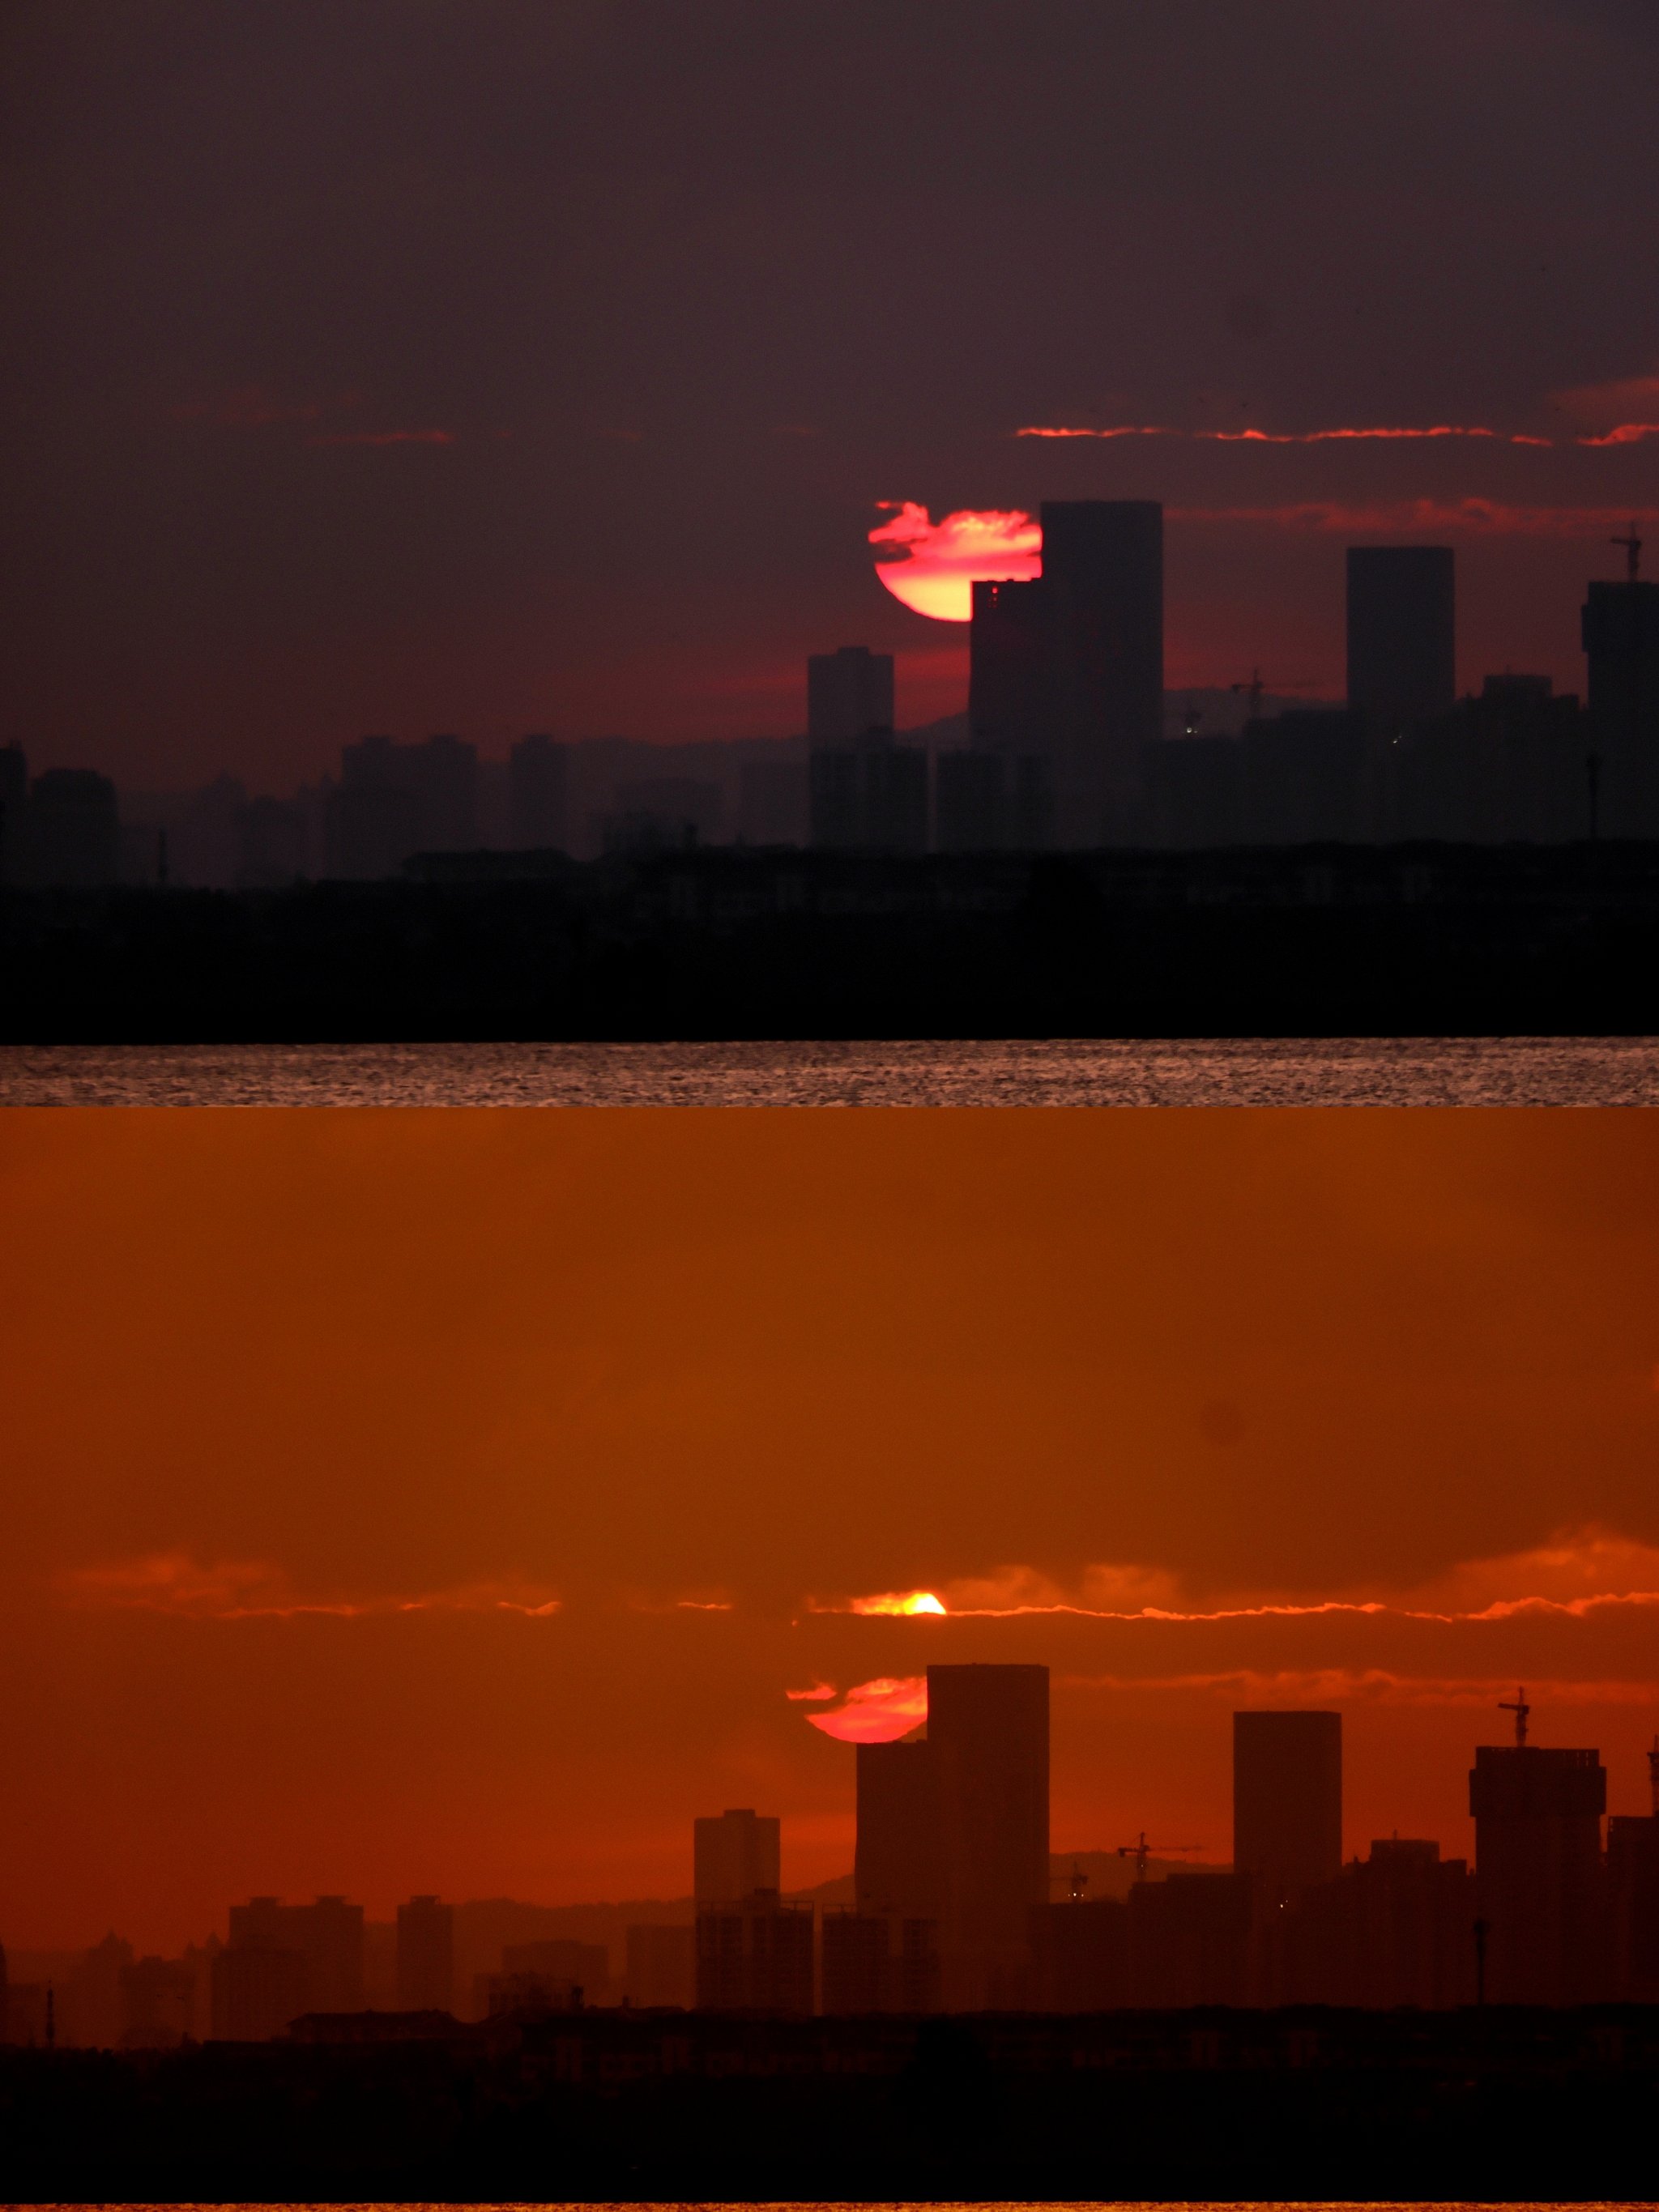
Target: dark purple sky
688,289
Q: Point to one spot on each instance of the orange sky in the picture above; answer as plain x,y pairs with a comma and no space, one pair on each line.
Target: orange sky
439,1500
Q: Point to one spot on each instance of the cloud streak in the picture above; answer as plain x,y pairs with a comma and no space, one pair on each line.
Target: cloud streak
254,1590
879,1711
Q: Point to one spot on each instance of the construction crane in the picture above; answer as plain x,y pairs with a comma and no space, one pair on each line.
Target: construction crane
1254,688
1140,1849
1079,1883
1653,1776
1520,1709
1633,546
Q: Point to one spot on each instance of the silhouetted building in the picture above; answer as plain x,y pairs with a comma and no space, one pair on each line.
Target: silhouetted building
849,696
562,1959
1512,766
89,1999
1403,635
896,1859
772,802
869,799
13,807
1009,678
539,794
74,830
1102,578
734,1855
395,800
1079,1955
1539,1874
326,1935
662,814
1287,1800
1304,778
970,802
257,1990
662,1965
1621,643
157,2004
1633,1906
426,1955
527,1993
756,1956
1190,1939
988,1741
273,844
1194,794
1395,1928
856,1949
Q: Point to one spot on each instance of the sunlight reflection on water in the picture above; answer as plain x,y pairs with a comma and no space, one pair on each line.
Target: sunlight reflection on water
1345,1072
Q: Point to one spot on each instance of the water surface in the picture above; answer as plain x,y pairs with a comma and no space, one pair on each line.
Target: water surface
1345,1072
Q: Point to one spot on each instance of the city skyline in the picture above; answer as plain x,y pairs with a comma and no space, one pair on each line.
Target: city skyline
1350,1411
598,446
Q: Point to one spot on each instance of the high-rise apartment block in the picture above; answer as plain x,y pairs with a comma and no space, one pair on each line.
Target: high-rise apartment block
987,1738
1068,670
539,795
1621,643
1403,635
849,696
733,1856
1287,1800
1539,1872
426,1955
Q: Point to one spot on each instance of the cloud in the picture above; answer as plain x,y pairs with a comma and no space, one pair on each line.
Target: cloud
251,408
255,1589
1370,434
880,1711
1575,1575
383,438
939,563
1325,1686
1487,517
820,1693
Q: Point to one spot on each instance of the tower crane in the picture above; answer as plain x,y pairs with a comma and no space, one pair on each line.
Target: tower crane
1140,1849
1522,1709
1633,545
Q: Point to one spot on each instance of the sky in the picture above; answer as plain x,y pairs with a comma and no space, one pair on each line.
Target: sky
490,365
408,1502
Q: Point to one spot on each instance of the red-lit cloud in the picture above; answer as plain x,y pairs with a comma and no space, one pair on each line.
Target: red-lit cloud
938,563
1383,432
255,1589
880,1711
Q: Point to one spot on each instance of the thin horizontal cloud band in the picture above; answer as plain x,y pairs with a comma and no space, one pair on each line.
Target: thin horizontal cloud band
1623,433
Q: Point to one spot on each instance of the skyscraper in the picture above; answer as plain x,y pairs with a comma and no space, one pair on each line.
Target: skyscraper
733,1857
1287,1800
1068,670
1403,635
849,696
988,1741
1538,1870
539,794
1102,577
426,1956
1621,641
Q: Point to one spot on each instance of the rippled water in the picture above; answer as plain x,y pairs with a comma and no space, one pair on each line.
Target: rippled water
1351,1072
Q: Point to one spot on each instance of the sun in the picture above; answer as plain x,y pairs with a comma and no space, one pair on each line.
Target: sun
936,565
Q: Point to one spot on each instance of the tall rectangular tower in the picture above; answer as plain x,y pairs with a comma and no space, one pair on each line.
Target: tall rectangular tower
987,1738
1538,1872
1621,643
1287,1799
1402,634
849,696
734,1855
896,1857
1102,578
